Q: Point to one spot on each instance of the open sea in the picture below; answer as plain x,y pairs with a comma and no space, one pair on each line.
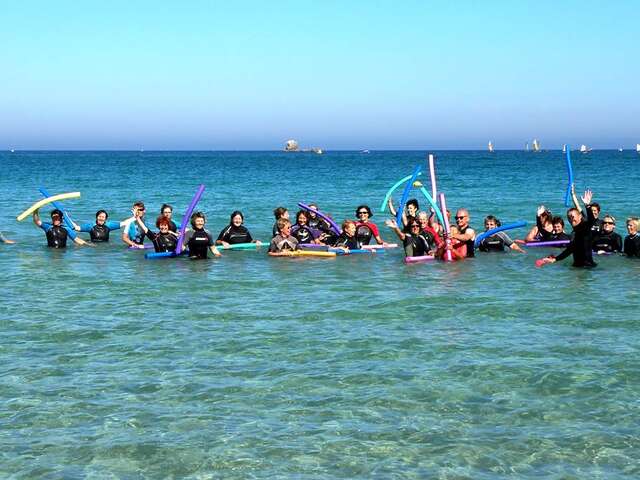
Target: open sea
358,367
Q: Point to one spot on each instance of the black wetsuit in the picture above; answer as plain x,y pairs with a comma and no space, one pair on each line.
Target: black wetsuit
416,246
581,244
559,236
163,242
173,227
198,243
322,226
351,243
632,245
543,235
99,233
493,243
597,229
235,234
607,242
303,234
57,237
364,234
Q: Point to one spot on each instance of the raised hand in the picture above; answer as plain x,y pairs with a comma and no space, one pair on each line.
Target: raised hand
587,197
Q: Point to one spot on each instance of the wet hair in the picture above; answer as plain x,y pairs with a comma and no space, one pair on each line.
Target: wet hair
166,205
557,219
233,214
197,215
282,222
139,204
302,212
364,207
58,213
492,218
106,215
278,212
346,223
162,220
413,202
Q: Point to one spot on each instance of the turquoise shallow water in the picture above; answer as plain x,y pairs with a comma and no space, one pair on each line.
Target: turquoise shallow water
357,367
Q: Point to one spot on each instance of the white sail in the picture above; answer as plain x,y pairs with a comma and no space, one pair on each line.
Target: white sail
638,147
536,145
564,148
490,147
584,149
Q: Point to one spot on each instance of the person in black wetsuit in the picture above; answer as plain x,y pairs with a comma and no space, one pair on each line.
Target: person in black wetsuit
632,241
57,233
100,229
416,243
543,230
607,241
301,231
235,232
167,211
497,242
198,240
582,241
597,227
327,235
348,239
558,232
411,209
163,241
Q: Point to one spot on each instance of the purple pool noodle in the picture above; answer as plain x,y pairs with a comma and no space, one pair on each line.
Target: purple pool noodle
334,225
551,243
187,218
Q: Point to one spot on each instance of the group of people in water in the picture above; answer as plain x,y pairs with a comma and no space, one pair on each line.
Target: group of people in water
419,231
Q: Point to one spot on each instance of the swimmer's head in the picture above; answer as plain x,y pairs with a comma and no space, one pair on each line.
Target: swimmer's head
491,222
412,206
198,220
302,217
633,223
349,227
139,207
312,210
281,212
57,215
101,217
558,225
574,216
595,209
423,217
236,218
363,212
462,217
284,225
166,210
162,221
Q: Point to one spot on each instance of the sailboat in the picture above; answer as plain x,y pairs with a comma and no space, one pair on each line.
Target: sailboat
637,147
490,147
584,149
536,145
564,148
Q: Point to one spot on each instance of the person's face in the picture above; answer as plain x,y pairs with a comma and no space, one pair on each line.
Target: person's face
608,224
574,218
363,215
302,219
423,220
56,220
595,211
489,224
411,209
164,228
632,228
285,231
236,220
462,218
101,218
167,212
558,228
350,229
285,214
140,211
415,228
198,222
312,212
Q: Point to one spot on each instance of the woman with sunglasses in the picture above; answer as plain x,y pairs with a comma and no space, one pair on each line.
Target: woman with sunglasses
415,244
365,230
607,241
632,241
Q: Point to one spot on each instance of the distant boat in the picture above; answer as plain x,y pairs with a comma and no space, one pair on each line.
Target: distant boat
637,147
620,149
317,150
13,151
535,145
490,147
564,148
584,149
364,151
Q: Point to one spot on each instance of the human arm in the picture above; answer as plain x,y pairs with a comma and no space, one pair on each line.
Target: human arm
36,218
392,209
470,234
392,224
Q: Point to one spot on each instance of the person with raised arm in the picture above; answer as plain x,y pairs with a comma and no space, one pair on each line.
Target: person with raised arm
99,230
462,233
165,240
57,233
132,234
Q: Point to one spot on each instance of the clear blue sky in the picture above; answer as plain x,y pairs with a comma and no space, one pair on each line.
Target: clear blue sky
338,74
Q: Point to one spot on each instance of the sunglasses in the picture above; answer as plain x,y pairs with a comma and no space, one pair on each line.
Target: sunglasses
609,223
415,226
461,217
363,213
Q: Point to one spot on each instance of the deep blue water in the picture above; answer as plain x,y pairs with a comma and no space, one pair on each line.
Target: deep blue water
246,366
